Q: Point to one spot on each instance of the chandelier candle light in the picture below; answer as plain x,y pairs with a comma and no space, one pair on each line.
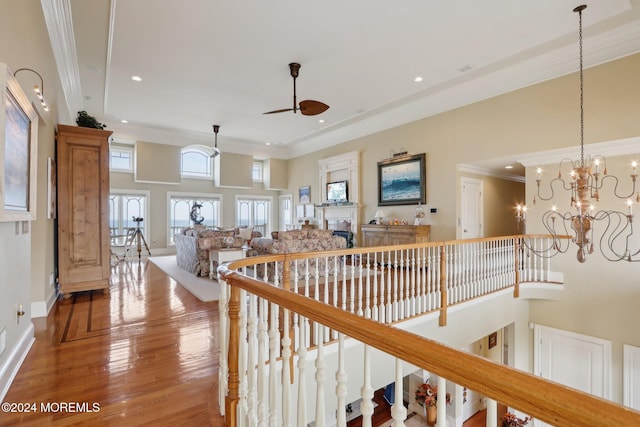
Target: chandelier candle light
584,184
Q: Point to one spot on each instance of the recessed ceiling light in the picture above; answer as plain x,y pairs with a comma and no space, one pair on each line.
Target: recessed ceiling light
508,167
136,78
268,143
321,121
124,121
418,79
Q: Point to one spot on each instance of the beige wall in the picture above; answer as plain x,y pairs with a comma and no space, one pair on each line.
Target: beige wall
27,257
540,117
157,163
156,235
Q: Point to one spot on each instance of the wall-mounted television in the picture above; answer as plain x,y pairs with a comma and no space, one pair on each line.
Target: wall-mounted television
337,191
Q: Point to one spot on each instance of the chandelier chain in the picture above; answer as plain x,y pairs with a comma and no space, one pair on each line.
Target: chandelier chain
581,94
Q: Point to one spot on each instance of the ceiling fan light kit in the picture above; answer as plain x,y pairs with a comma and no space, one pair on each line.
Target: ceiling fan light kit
308,107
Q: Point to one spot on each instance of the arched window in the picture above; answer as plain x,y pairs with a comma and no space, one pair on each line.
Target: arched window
195,162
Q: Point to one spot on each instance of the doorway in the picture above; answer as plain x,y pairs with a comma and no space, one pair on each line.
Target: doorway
472,205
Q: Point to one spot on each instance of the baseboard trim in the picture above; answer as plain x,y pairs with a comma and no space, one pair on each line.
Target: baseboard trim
9,369
42,308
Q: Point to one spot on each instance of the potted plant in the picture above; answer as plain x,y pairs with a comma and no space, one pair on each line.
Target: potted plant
427,397
511,420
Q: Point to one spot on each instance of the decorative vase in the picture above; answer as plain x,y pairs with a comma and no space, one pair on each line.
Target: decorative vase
431,414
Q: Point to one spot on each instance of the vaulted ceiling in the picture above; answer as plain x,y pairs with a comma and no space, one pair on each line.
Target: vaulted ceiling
205,62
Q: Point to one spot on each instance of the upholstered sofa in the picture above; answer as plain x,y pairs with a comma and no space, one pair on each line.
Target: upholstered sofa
294,241
193,245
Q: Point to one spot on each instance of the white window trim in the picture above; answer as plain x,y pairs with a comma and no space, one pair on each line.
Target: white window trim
254,197
204,149
125,149
261,164
191,195
147,196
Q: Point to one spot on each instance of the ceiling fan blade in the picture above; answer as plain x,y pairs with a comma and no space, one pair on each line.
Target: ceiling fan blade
279,111
310,107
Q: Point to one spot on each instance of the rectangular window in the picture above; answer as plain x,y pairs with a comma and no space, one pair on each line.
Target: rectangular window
254,211
256,172
121,158
183,214
124,208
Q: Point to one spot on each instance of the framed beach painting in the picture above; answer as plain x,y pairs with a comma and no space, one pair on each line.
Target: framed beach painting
402,180
304,194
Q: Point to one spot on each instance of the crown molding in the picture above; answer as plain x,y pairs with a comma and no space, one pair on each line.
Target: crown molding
510,74
619,147
57,15
488,172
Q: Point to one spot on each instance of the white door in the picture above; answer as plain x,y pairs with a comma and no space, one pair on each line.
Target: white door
575,360
471,208
631,376
285,211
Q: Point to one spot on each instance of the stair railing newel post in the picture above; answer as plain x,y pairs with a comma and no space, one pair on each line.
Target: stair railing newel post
231,402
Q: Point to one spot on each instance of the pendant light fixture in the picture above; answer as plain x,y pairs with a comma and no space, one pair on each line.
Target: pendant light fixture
216,150
612,229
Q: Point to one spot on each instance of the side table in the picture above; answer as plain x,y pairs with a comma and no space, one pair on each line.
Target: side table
223,255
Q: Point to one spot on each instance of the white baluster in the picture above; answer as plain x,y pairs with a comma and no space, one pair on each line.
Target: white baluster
492,412
274,416
320,407
366,392
242,361
341,384
252,374
398,411
302,383
263,391
286,373
442,407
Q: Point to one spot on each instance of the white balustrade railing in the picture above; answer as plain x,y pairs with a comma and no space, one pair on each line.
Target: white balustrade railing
277,347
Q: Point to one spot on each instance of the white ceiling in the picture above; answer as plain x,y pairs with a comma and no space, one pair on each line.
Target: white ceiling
206,62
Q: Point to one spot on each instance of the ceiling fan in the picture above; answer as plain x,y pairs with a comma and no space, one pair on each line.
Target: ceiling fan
307,107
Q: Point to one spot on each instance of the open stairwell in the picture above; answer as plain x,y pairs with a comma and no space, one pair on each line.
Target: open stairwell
300,351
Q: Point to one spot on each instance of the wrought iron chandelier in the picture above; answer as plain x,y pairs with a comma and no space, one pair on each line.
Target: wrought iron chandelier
586,178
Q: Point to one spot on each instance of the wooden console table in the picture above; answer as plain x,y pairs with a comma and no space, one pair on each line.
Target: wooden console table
388,235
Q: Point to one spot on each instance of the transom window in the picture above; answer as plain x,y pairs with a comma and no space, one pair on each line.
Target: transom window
121,158
257,171
195,162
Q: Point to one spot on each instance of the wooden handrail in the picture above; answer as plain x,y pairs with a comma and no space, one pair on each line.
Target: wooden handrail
542,399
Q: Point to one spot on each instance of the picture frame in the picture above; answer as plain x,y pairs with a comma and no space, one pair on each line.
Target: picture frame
493,339
18,151
402,180
304,194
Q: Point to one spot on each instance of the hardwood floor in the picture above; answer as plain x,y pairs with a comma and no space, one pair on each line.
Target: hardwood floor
145,354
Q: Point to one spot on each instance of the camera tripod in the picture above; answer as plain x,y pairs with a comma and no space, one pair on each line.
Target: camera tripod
138,237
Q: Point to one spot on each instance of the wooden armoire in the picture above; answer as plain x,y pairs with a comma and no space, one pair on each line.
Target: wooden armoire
83,209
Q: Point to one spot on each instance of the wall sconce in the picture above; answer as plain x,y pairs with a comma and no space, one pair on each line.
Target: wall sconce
39,90
20,312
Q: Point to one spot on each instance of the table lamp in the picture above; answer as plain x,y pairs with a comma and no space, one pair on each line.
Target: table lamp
378,216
